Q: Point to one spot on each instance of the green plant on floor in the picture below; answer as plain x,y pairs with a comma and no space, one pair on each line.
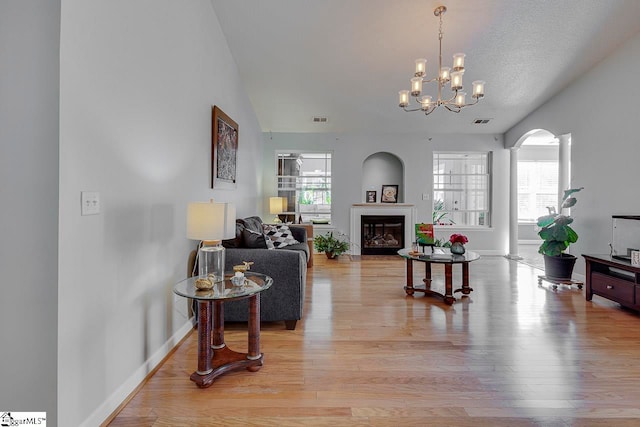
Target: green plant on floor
555,231
330,245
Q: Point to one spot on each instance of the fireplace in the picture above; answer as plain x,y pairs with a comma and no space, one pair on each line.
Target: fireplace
381,234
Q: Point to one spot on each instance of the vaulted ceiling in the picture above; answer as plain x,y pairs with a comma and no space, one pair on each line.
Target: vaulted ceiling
347,59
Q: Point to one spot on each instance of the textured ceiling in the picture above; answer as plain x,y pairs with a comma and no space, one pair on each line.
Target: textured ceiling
347,59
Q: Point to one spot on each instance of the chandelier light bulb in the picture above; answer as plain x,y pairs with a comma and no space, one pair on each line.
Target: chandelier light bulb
458,61
425,103
456,80
404,98
478,89
445,74
421,67
460,99
416,86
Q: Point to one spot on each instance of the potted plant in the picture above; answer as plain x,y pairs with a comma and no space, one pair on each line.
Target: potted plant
557,235
331,246
457,243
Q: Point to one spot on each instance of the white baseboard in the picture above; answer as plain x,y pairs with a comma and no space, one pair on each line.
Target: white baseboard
117,397
488,252
530,242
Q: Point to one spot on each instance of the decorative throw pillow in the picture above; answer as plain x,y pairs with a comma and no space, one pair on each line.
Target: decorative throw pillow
280,235
236,242
253,239
269,242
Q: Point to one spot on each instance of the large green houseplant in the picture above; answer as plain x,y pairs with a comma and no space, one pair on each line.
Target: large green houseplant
557,234
330,245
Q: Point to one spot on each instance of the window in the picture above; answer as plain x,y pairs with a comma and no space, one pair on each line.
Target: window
304,179
461,189
537,188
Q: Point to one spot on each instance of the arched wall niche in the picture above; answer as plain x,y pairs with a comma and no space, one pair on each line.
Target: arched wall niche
382,168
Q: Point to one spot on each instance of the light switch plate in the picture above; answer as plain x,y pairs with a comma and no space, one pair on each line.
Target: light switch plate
90,203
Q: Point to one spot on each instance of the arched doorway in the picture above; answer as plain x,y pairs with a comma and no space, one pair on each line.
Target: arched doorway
540,172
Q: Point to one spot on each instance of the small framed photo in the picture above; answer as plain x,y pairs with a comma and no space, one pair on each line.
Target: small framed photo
635,258
371,196
389,194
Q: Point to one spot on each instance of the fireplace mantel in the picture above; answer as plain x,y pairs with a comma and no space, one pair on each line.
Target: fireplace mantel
400,209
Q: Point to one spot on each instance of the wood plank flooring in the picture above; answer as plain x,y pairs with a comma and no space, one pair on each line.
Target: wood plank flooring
511,354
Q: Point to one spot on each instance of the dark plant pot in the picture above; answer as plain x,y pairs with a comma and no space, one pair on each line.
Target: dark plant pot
559,267
457,249
331,255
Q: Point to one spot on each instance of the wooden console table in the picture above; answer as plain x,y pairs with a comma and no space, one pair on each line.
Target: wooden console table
613,279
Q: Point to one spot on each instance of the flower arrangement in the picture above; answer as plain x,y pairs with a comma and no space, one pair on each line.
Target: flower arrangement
458,238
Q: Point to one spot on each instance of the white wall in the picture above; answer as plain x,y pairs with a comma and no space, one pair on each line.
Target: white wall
415,152
602,118
29,98
137,84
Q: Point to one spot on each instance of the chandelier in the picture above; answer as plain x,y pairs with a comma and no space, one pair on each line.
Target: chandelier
446,75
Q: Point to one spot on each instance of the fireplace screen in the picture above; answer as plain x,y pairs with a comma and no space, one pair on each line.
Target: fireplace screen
382,235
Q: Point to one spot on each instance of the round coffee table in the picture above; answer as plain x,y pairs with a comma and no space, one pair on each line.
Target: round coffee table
439,256
211,326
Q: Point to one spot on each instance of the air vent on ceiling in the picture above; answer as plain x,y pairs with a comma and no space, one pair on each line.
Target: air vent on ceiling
320,120
481,121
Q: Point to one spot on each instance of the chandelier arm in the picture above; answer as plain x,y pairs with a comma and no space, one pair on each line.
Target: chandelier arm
450,100
472,103
435,79
411,110
463,105
451,109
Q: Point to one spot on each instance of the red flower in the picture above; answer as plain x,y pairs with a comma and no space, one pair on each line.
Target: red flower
458,238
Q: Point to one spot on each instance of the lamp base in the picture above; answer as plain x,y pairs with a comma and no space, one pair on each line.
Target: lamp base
211,262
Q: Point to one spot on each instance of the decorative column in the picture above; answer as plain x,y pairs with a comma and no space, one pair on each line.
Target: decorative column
513,204
564,166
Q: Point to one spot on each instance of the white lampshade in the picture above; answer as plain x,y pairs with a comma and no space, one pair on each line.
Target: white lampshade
277,205
211,221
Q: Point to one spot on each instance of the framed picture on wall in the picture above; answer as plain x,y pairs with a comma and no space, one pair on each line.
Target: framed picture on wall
371,196
389,194
224,150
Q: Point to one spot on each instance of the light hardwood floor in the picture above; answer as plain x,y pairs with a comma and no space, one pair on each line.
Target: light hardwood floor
511,354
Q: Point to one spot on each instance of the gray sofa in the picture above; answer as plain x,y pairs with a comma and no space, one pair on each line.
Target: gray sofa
287,266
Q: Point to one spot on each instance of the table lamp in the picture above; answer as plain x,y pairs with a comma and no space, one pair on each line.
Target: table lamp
211,222
277,205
